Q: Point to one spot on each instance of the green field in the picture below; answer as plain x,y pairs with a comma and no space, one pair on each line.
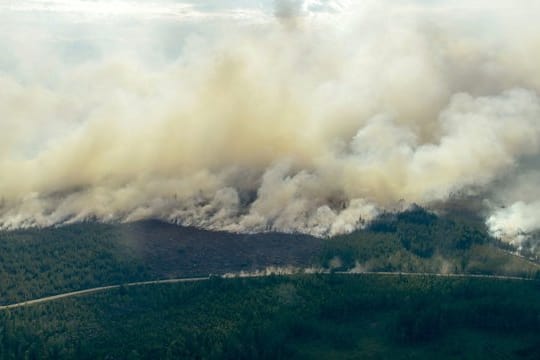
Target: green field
299,317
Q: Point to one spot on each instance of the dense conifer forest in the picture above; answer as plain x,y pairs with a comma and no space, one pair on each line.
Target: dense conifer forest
330,315
41,262
300,317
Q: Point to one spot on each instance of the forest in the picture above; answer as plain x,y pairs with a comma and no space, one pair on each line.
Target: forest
41,262
324,316
417,240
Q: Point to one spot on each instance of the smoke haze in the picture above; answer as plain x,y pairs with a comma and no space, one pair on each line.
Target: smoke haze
230,118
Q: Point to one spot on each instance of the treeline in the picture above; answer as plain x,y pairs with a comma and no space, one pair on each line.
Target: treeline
419,241
41,262
303,317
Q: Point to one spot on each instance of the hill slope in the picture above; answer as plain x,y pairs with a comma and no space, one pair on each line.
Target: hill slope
40,262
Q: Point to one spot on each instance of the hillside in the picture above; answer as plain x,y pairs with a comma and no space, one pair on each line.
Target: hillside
41,262
420,241
321,316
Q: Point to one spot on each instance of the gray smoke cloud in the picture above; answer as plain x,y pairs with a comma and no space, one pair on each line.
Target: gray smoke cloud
198,118
287,9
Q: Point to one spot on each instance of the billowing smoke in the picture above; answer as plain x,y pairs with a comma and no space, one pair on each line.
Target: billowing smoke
233,120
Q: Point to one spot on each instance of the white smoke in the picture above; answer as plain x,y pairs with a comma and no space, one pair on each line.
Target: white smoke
256,125
516,222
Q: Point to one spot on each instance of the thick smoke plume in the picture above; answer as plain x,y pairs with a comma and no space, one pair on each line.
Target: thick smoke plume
237,121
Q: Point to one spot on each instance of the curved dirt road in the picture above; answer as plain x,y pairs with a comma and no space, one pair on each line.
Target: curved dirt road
98,289
180,280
